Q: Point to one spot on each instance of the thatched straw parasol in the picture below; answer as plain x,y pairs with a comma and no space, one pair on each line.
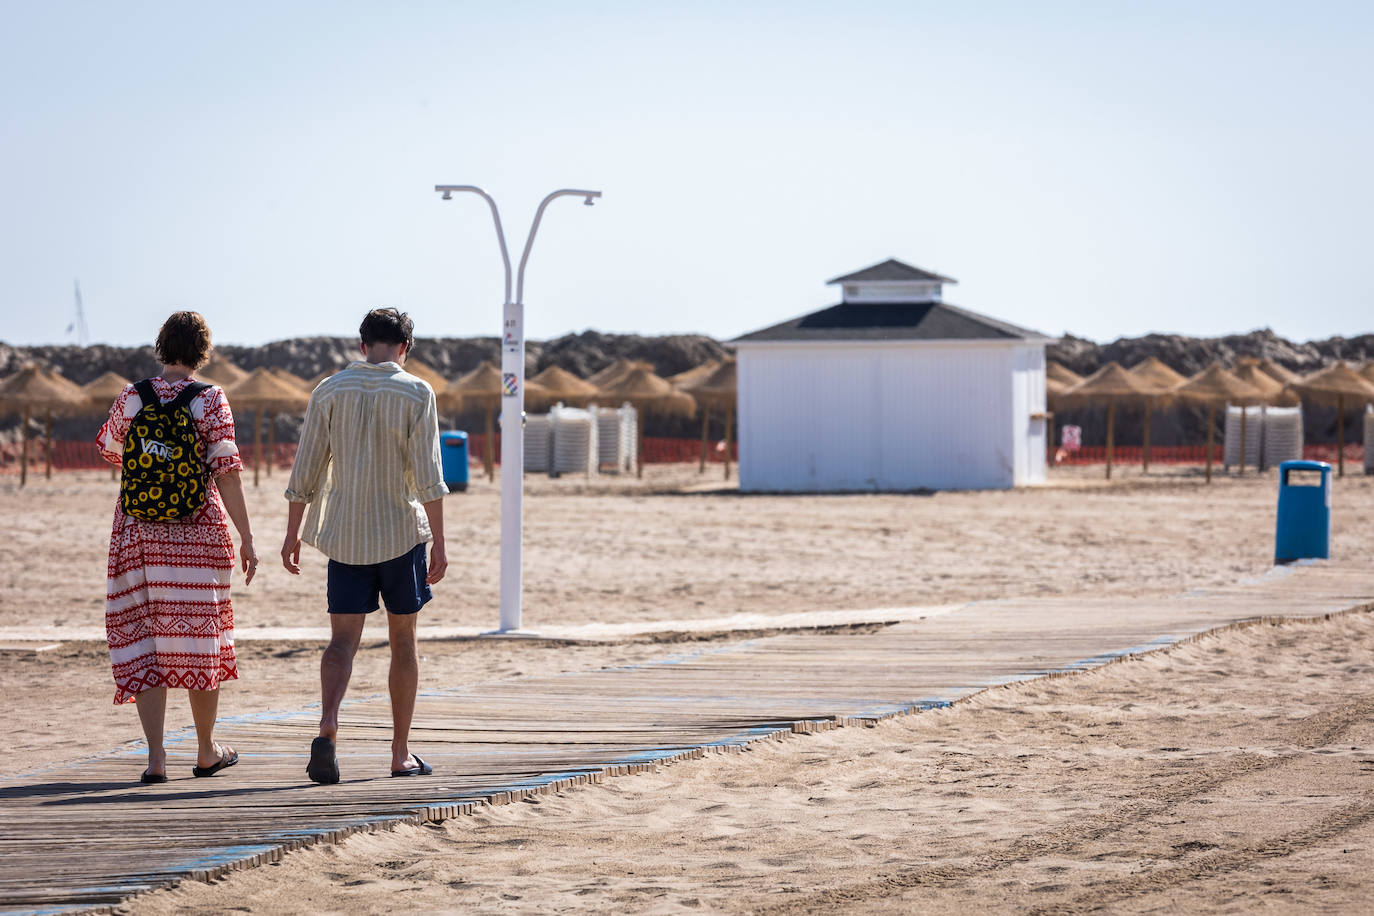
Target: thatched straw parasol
617,371
1159,375
694,376
293,379
1336,385
315,382
561,385
1061,373
1367,370
427,372
265,392
1110,384
1059,378
33,390
649,394
101,393
221,372
1279,373
482,386
717,392
1213,386
1271,392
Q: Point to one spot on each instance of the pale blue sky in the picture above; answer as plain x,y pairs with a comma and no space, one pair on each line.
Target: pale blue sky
1103,168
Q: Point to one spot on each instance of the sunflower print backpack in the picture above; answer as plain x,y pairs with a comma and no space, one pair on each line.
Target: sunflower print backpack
164,476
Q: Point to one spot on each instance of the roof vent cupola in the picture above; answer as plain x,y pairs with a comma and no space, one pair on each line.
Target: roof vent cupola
891,282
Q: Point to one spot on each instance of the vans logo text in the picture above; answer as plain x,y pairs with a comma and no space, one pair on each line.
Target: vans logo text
160,449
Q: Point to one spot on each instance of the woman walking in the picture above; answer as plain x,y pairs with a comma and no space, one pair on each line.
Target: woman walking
168,618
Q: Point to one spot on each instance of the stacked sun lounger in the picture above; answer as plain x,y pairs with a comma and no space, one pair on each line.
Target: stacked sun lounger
1272,435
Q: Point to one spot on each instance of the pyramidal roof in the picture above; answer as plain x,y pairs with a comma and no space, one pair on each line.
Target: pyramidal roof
891,270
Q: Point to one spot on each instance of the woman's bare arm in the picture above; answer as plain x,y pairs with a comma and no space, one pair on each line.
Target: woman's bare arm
231,490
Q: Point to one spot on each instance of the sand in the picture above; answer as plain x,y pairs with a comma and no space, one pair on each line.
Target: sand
1232,774
1184,780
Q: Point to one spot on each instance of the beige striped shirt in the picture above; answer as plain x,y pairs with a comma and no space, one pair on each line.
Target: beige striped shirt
367,461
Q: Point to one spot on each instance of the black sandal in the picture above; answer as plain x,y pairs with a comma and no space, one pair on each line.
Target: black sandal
224,762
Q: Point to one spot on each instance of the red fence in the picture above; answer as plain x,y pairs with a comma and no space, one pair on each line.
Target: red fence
1191,454
84,456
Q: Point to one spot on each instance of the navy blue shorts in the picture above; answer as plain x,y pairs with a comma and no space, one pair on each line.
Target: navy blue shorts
399,582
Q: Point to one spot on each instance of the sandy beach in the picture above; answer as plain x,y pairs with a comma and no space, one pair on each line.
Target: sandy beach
1227,773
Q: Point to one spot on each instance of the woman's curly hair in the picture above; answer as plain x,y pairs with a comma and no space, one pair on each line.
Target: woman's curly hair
184,340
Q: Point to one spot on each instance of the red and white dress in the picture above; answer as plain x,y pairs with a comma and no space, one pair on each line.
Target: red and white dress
167,612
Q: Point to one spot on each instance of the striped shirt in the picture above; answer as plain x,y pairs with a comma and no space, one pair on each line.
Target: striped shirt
367,461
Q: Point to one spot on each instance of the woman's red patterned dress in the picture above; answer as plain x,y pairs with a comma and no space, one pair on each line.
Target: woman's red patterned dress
167,612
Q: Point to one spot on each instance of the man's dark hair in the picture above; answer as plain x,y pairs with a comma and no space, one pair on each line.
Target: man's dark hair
387,326
184,340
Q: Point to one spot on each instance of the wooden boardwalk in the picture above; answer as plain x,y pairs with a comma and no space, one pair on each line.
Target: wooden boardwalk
81,836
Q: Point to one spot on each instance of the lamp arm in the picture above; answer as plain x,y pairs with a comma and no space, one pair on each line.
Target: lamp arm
448,189
534,228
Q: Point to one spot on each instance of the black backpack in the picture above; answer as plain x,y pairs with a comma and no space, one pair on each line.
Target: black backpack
164,472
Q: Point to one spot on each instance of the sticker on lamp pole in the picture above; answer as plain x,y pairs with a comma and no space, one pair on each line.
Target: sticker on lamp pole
509,386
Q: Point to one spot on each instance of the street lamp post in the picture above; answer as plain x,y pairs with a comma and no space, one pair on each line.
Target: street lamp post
513,402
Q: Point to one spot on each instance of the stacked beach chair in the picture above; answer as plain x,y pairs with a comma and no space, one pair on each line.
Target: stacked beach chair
617,435
1272,435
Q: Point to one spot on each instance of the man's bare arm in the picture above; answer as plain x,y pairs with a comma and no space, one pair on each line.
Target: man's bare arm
438,556
291,546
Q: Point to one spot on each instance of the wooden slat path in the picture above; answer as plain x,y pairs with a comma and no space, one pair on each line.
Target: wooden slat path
81,836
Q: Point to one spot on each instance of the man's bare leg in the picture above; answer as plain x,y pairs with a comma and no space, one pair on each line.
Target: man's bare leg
152,713
336,667
403,681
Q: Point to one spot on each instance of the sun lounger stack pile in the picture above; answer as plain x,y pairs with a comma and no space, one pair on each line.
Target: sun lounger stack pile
617,437
1369,439
538,435
1282,435
1272,435
574,442
1254,435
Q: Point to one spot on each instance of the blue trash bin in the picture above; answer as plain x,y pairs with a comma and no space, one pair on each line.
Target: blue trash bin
453,450
1304,519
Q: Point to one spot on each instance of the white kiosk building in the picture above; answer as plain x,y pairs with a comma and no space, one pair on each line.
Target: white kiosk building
892,389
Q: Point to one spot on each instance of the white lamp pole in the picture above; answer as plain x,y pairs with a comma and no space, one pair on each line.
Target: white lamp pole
513,403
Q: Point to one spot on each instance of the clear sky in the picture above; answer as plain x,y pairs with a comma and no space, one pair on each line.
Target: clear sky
1103,168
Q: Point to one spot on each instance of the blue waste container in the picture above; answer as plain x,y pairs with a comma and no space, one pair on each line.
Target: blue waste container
1304,518
453,449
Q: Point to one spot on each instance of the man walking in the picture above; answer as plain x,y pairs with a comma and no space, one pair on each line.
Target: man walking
368,468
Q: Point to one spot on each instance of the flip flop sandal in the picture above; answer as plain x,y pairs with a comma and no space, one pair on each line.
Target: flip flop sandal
422,768
324,764
152,779
224,762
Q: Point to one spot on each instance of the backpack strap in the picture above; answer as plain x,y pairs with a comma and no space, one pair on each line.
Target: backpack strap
187,395
146,393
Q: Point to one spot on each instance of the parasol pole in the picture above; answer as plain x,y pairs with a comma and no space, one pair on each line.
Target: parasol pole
257,443
271,441
729,437
489,446
1243,411
1211,425
1111,432
705,418
1340,435
24,451
47,446
1264,424
1145,452
639,443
